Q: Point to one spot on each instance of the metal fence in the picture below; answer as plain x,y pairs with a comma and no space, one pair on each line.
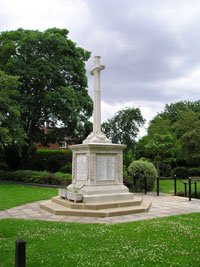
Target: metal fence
187,187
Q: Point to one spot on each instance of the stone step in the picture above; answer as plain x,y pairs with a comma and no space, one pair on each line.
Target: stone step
97,205
108,197
61,210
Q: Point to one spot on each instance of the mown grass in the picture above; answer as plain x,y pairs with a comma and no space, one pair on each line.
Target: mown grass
172,241
167,186
12,195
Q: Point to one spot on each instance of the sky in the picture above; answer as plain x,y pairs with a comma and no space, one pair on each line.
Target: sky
151,48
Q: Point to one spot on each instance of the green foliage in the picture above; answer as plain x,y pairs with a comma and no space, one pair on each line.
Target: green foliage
52,160
37,177
67,168
123,128
173,111
183,172
194,172
139,169
15,195
51,71
172,241
173,136
163,148
11,131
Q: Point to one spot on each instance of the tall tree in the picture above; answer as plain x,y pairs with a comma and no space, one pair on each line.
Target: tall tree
51,69
163,149
173,135
187,129
124,126
11,131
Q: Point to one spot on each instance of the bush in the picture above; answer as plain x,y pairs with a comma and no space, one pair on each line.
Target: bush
38,177
12,157
67,168
51,160
139,169
194,172
181,172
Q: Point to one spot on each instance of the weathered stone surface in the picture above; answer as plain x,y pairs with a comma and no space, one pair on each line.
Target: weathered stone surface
116,208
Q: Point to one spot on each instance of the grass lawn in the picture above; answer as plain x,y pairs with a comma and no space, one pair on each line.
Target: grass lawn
167,186
12,195
172,241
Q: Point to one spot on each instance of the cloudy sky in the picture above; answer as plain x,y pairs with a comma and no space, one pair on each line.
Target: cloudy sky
151,48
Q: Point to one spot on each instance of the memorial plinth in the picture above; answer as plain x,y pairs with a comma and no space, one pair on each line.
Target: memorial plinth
97,172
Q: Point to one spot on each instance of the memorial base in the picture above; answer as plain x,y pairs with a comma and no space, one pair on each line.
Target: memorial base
97,172
104,193
98,180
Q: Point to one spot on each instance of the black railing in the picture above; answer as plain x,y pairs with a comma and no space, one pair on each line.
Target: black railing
189,185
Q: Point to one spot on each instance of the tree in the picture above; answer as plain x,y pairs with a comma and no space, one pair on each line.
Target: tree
173,135
51,70
187,129
123,128
184,119
173,111
163,148
11,131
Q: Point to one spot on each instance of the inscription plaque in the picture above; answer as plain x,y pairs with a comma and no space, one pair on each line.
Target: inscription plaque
105,167
81,168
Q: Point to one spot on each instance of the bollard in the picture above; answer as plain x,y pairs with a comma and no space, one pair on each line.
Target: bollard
195,188
190,191
145,185
134,179
158,186
185,195
20,253
175,185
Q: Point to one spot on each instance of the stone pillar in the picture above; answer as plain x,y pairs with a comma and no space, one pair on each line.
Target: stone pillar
97,95
96,136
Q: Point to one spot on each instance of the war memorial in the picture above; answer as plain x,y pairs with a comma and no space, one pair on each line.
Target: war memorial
97,188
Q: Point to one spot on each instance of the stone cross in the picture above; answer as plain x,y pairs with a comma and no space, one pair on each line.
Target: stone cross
96,136
97,94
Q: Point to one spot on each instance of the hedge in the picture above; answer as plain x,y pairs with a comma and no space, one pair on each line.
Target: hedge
52,160
183,172
37,177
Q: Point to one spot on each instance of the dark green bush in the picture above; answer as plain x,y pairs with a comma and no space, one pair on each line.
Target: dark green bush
51,160
194,171
12,157
3,166
38,177
139,169
181,172
67,168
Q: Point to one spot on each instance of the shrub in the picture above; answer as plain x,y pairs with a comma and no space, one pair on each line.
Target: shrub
67,168
181,172
38,177
51,160
194,172
139,169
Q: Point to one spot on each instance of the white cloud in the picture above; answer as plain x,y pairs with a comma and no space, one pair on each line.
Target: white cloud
150,48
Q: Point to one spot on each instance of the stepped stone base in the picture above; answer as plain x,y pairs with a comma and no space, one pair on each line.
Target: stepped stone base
60,206
101,193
